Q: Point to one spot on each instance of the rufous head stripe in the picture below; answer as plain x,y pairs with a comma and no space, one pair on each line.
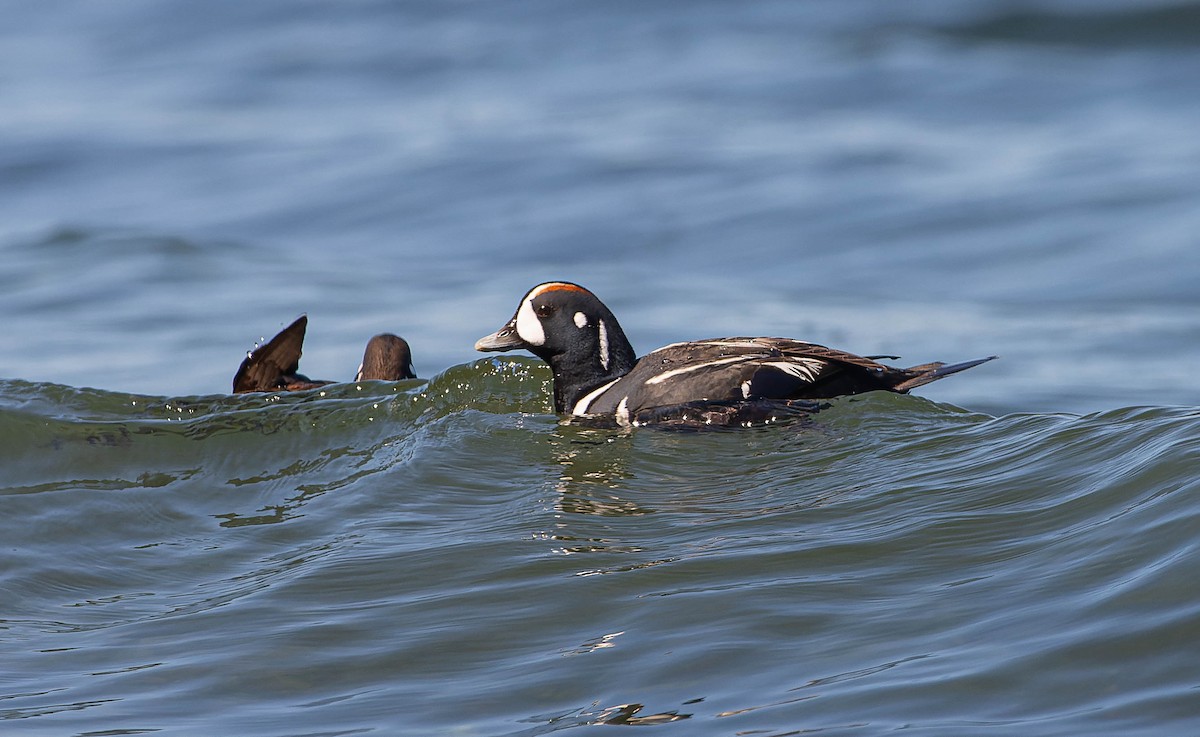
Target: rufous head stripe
557,285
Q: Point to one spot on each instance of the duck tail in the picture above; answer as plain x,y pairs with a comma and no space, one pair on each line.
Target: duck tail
930,372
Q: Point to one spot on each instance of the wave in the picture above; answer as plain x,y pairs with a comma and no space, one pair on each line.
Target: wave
950,568
54,436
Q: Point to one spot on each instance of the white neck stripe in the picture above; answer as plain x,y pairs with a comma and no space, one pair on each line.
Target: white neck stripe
581,407
604,358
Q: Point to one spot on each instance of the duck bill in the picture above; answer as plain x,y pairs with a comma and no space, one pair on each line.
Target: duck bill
504,339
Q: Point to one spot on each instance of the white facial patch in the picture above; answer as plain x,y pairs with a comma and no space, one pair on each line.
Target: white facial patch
603,346
580,320
529,327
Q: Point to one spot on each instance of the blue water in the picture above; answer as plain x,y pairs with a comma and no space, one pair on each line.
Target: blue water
1011,552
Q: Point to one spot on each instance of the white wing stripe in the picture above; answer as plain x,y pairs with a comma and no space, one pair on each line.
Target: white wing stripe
802,368
807,369
687,369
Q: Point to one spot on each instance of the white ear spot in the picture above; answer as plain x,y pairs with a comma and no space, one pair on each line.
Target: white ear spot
529,327
580,320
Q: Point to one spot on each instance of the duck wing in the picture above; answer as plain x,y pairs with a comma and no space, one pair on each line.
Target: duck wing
274,364
751,369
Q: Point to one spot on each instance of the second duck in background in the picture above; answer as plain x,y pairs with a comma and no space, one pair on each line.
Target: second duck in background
274,366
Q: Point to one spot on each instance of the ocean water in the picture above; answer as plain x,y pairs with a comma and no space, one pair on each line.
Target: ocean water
1012,552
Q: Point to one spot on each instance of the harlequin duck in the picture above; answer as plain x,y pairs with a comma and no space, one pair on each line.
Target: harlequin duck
718,381
274,365
387,358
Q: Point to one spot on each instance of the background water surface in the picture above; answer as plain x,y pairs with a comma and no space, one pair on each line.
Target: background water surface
1011,552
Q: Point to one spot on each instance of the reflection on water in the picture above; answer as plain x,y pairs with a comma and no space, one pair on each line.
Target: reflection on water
620,714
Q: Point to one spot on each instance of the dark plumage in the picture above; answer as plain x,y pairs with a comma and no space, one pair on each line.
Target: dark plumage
387,358
274,366
597,373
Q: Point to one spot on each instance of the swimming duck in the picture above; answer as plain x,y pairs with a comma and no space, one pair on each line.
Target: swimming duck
720,380
387,358
274,366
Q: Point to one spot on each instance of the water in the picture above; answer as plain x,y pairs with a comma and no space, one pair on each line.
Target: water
1011,552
